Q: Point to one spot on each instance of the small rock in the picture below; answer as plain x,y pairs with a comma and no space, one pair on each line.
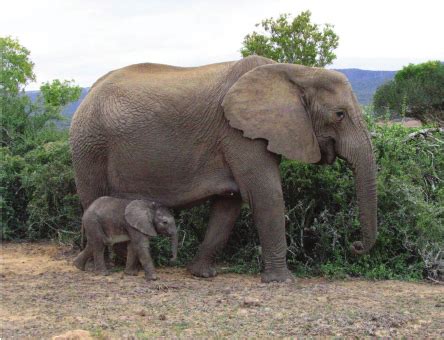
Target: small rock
226,291
77,334
141,312
251,302
242,311
278,316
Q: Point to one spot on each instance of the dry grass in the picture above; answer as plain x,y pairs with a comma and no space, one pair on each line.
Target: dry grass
42,295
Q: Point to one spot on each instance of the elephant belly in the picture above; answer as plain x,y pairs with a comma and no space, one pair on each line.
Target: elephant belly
174,182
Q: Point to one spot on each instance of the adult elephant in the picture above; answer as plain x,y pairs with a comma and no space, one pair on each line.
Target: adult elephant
180,136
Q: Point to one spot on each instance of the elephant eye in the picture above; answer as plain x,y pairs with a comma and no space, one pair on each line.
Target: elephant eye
340,114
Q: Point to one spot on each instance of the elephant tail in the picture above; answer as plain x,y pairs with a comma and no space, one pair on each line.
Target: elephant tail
82,236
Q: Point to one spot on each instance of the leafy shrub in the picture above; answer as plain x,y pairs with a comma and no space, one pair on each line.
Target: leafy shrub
39,199
13,199
416,91
53,206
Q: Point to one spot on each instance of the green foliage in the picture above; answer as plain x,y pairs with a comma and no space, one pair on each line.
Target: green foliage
416,91
38,198
296,41
15,65
13,199
57,94
53,207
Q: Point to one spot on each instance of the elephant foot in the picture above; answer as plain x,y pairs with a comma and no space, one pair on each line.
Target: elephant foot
151,277
102,272
201,269
277,276
132,272
79,263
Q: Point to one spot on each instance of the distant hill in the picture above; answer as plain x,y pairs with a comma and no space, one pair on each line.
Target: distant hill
364,84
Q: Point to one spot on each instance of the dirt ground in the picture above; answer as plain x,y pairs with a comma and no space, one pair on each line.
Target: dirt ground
43,295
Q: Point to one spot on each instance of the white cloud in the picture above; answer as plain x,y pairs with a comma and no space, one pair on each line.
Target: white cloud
82,40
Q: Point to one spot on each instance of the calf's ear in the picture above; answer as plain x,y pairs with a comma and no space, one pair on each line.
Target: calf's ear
139,216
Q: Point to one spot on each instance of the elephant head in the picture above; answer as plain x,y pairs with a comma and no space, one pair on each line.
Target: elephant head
166,225
311,115
150,219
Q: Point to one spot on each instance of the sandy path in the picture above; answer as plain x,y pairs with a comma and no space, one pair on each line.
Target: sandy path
42,295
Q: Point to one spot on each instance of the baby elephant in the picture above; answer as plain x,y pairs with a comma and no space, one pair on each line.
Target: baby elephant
110,220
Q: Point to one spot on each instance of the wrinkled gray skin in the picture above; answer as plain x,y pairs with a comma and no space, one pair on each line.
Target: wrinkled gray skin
110,220
180,136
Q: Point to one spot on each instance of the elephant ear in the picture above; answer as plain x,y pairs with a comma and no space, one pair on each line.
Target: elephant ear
266,103
139,216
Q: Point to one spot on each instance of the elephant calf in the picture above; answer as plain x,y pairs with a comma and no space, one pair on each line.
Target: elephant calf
110,220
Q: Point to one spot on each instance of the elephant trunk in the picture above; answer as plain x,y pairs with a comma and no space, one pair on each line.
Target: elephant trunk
365,182
363,164
174,245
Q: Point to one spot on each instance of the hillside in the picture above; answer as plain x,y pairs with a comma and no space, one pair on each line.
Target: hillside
364,84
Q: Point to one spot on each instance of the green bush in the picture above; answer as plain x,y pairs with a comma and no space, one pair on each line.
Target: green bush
13,199
38,195
417,91
53,206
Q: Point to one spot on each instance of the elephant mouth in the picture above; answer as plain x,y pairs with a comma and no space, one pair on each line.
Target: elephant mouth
328,153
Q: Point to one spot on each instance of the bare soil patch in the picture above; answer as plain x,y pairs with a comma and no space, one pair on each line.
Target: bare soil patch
43,295
405,122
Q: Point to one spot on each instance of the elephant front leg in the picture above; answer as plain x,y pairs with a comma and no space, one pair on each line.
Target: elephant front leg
132,261
268,214
256,171
141,246
223,214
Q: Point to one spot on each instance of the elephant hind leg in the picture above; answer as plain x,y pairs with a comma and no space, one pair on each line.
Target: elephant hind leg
96,242
83,257
90,174
223,215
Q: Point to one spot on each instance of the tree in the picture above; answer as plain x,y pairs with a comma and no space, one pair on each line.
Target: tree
37,191
15,66
22,120
296,41
416,91
16,70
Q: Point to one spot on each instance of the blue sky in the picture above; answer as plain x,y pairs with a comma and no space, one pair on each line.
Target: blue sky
82,40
